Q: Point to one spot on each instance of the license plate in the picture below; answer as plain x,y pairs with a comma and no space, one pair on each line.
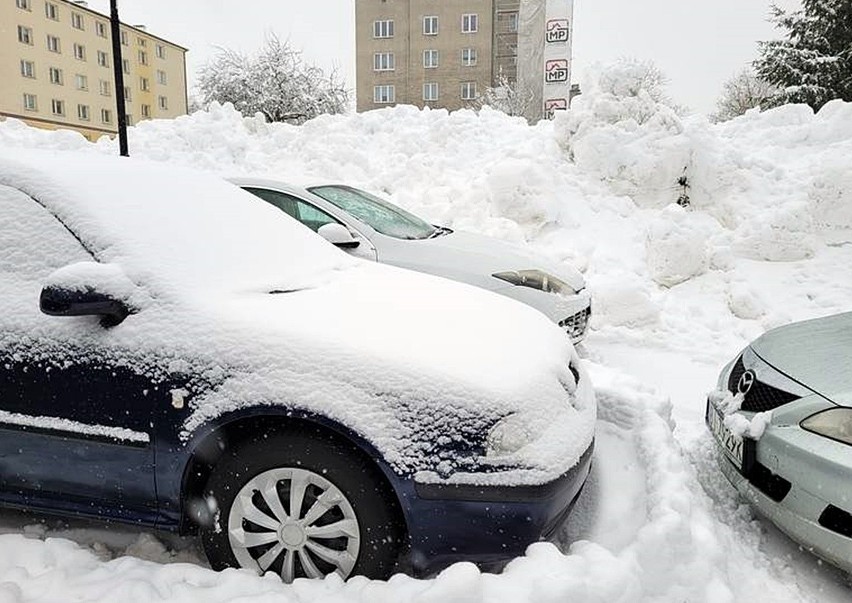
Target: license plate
732,445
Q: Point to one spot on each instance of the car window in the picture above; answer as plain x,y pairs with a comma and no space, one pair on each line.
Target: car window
380,215
33,241
309,215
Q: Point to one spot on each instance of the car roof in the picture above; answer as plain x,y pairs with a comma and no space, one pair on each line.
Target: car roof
173,225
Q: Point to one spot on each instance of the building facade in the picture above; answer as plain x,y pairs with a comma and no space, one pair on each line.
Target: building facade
434,53
57,72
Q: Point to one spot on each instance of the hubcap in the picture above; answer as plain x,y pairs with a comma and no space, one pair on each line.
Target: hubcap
294,522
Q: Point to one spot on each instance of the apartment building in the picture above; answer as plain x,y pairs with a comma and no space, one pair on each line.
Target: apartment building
56,69
435,53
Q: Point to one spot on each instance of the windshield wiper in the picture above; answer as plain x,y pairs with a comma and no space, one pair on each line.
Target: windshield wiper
440,231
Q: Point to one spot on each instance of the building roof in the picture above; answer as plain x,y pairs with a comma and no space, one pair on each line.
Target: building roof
85,8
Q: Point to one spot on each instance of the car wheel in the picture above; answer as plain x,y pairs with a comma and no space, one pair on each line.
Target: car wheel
301,504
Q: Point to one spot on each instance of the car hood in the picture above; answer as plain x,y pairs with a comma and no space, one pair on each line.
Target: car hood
816,353
473,258
402,358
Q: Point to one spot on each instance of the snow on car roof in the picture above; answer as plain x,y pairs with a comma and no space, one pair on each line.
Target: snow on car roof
164,223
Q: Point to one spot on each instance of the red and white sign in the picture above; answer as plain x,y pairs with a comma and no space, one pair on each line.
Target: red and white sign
557,56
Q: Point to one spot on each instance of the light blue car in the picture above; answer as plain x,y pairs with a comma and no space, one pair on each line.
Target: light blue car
798,473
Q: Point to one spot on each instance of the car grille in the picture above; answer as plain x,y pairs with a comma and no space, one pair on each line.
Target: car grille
576,325
761,397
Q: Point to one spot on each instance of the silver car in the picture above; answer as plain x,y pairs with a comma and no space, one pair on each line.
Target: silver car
374,229
793,463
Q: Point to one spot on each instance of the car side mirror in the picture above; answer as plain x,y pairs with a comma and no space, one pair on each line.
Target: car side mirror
339,235
88,289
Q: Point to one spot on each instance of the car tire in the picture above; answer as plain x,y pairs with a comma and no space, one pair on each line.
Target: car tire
347,522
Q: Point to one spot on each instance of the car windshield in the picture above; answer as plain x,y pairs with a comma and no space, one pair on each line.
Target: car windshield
380,215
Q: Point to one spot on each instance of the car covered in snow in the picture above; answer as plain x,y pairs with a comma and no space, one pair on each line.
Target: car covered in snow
781,416
372,228
179,354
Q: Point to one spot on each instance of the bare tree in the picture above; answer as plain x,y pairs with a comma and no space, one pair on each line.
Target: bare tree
508,96
746,90
275,82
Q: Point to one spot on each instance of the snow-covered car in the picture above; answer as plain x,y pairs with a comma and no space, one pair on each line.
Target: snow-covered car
179,354
372,228
782,419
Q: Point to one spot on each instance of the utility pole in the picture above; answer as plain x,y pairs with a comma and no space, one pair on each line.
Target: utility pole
118,71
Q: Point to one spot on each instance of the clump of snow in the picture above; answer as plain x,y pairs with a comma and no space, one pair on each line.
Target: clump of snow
676,246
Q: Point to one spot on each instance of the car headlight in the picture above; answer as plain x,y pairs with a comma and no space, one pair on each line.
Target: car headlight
536,279
509,435
834,423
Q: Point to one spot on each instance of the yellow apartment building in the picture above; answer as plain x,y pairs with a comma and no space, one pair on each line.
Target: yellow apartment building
56,69
436,53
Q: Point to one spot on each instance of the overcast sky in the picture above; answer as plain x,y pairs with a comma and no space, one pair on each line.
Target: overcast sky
698,44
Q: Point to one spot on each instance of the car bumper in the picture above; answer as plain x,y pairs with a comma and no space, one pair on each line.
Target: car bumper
486,525
788,487
571,313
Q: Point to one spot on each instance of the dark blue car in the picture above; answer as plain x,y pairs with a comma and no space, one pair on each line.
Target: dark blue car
178,354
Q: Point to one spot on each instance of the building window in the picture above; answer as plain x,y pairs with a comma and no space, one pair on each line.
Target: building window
25,35
51,11
144,85
77,21
125,65
146,110
161,76
57,106
128,119
103,59
82,82
142,42
123,36
30,102
23,4
384,94
163,103
83,112
127,94
470,23
430,59
101,29
469,57
160,50
53,44
27,68
105,88
55,76
79,52
143,57
430,91
106,116
513,22
383,61
383,29
430,26
468,90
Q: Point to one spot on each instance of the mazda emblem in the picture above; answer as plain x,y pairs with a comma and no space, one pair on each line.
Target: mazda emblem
746,382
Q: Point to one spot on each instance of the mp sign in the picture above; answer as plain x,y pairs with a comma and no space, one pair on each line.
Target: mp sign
557,55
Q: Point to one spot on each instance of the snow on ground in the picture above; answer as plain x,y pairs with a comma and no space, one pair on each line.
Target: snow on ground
766,239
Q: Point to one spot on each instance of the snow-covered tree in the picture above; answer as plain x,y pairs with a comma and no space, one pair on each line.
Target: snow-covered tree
813,64
510,97
275,82
742,92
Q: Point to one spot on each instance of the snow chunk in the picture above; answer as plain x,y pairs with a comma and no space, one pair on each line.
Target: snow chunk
676,247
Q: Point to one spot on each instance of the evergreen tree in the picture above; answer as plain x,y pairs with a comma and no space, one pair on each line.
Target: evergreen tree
813,64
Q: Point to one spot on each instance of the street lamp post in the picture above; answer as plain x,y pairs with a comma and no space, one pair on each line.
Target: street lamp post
118,71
